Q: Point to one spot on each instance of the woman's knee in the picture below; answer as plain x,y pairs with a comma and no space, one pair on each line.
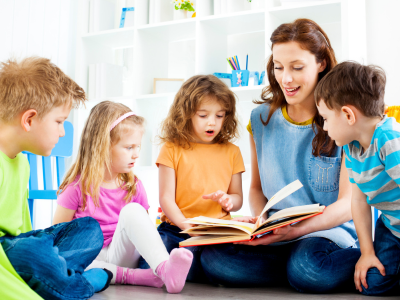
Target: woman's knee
303,275
219,267
308,274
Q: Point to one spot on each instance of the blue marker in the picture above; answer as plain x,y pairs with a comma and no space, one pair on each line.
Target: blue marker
237,62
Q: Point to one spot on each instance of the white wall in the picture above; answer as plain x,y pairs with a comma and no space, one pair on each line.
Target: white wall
39,27
383,40
44,28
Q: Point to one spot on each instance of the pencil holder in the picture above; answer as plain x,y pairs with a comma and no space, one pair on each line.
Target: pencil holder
240,78
255,79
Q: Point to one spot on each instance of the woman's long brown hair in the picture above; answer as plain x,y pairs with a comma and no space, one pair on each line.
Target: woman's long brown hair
311,37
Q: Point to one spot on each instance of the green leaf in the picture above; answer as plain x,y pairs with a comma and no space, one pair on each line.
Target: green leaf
186,6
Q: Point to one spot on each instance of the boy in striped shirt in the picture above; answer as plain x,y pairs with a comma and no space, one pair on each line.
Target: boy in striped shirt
351,100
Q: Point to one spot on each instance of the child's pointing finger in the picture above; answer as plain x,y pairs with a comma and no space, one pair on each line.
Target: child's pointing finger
213,196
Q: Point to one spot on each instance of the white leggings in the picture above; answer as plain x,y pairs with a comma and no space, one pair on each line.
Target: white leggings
135,235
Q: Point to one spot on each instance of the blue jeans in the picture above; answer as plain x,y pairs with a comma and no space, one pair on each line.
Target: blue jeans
171,237
311,265
387,249
51,261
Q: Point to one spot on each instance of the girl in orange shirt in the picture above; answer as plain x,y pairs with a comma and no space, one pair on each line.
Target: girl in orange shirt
199,168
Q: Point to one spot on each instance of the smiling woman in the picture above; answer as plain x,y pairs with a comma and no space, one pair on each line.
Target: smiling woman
287,143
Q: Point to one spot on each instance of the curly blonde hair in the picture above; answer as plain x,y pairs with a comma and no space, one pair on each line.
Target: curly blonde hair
177,128
94,151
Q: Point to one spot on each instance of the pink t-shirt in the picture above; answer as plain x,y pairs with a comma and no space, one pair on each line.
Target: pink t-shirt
111,203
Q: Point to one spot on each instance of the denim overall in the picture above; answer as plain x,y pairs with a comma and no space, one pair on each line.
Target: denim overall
284,154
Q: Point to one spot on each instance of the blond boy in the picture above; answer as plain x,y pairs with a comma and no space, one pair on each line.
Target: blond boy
35,100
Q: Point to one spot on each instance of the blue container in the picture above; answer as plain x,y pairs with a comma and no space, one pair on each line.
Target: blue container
240,78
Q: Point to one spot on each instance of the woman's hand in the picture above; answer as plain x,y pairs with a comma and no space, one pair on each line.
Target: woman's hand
222,198
285,233
252,220
366,262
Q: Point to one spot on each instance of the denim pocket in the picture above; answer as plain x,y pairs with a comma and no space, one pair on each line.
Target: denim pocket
323,173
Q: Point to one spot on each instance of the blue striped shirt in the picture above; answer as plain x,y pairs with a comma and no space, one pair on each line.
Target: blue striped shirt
377,171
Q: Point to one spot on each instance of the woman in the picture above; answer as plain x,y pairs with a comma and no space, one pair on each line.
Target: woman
287,142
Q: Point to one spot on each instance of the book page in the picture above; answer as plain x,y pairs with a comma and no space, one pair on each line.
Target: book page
272,226
294,211
283,193
213,239
246,227
214,230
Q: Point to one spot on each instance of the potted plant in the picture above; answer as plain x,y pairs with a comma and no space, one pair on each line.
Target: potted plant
181,8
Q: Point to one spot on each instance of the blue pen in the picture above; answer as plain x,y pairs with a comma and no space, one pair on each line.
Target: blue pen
247,60
238,65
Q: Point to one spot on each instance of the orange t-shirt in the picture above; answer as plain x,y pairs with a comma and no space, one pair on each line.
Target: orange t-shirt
202,170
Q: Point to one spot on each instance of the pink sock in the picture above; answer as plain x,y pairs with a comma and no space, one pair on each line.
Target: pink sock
144,277
174,271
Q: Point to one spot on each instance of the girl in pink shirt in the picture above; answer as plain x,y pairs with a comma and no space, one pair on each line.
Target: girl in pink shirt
102,185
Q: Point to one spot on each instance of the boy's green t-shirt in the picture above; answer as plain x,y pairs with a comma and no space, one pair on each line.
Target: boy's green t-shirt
12,285
14,220
14,209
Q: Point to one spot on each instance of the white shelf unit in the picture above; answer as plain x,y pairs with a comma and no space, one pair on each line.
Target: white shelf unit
183,48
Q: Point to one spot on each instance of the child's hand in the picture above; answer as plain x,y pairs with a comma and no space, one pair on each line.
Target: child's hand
185,226
222,198
363,265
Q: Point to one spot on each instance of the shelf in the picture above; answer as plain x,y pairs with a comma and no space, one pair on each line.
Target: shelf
171,31
187,47
243,89
236,23
114,38
320,12
247,94
248,88
155,96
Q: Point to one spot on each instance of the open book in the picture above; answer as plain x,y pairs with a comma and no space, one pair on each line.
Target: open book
217,231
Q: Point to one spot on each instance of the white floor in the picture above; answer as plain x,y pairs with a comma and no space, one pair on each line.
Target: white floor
195,291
